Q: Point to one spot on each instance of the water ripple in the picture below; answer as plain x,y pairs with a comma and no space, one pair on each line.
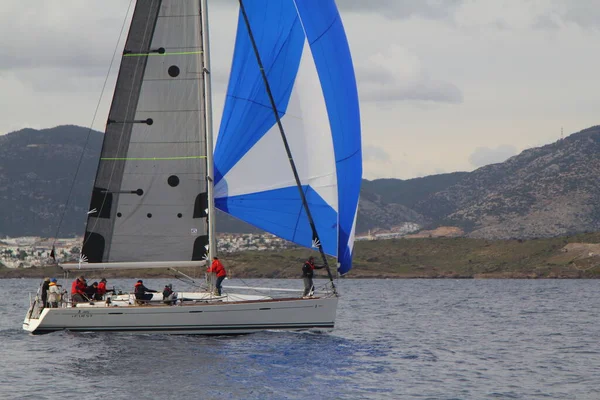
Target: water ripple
395,339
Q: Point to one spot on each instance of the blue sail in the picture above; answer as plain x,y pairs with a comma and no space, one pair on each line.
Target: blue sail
248,114
305,52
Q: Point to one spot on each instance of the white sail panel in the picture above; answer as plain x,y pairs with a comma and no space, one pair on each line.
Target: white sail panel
266,166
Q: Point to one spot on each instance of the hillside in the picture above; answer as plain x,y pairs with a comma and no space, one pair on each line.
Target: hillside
37,169
562,257
543,192
387,203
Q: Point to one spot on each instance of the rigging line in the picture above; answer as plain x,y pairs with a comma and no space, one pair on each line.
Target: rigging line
90,128
286,145
253,102
326,30
347,157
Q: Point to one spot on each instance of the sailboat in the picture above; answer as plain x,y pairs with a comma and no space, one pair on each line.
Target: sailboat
287,159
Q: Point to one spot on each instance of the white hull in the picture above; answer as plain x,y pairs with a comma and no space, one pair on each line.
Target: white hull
211,318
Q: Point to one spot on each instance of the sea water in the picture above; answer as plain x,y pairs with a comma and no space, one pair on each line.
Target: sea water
394,339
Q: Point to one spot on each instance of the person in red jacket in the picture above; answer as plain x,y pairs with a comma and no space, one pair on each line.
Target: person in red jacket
218,268
102,290
78,290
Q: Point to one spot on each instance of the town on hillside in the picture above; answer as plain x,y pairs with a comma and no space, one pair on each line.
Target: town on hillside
34,251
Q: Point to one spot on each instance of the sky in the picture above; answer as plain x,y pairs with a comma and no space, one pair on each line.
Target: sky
444,85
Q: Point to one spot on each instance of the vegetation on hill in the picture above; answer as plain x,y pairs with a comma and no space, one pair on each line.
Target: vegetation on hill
562,257
408,192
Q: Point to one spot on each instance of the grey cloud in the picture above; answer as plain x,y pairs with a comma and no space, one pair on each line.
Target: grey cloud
486,155
393,9
379,85
501,25
434,91
374,74
54,79
403,9
374,153
545,22
397,75
584,13
46,37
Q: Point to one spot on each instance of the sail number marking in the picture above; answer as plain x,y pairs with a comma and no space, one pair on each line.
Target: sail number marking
82,314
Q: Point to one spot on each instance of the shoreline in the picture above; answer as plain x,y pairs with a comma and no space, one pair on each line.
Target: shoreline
566,257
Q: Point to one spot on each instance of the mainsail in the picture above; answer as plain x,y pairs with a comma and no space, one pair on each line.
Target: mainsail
303,48
150,194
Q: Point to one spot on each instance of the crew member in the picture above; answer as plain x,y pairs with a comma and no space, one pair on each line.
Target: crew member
142,293
169,296
218,268
102,290
78,290
307,275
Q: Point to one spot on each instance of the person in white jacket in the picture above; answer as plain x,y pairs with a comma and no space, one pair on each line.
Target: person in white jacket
54,293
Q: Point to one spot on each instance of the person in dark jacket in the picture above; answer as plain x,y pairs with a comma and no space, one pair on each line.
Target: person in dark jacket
142,293
169,296
44,294
92,291
308,273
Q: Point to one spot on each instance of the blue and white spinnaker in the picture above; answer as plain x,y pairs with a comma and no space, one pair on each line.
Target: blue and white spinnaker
305,53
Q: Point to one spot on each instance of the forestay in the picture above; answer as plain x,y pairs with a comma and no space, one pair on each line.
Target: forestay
303,47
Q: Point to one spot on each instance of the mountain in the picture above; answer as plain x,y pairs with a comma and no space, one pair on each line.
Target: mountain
388,203
37,169
542,192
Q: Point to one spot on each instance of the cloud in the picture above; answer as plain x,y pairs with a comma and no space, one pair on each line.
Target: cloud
397,75
375,154
486,155
74,40
392,9
558,13
583,13
545,22
403,9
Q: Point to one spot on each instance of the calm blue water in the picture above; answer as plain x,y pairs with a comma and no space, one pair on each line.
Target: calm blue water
395,339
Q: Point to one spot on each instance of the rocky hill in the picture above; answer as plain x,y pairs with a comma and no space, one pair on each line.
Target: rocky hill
542,192
386,204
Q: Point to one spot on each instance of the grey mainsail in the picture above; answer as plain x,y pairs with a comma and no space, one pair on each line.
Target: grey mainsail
150,194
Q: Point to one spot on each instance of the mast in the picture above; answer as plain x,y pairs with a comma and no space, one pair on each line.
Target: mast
212,239
316,240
